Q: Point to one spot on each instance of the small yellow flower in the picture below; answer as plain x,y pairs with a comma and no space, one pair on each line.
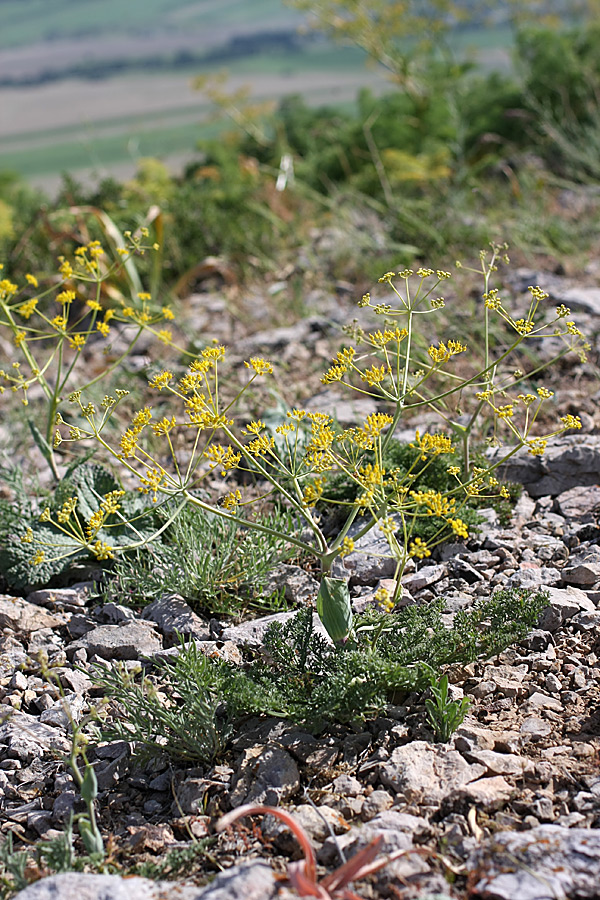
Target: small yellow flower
161,380
102,551
254,427
347,547
263,444
65,297
313,492
27,538
443,352
419,549
38,559
26,310
571,421
65,268
7,288
164,426
232,500
64,513
536,446
59,322
458,527
260,366
165,335
152,482
544,394
32,280
375,375
145,296
103,328
77,342
384,601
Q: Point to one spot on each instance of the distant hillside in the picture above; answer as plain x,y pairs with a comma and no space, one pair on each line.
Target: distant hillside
43,41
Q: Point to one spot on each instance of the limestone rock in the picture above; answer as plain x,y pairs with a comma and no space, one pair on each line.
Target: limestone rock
174,617
552,862
425,773
26,738
569,461
267,776
132,640
580,504
19,615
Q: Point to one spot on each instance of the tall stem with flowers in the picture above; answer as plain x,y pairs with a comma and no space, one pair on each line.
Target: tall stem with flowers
393,366
50,326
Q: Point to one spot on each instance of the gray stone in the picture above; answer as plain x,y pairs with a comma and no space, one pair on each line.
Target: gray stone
569,461
267,776
190,796
319,823
347,785
346,409
112,887
132,640
552,683
584,567
64,806
19,615
587,621
114,614
252,881
579,297
299,586
370,560
72,598
537,700
580,504
531,575
488,793
26,738
500,763
426,773
424,578
564,603
535,728
174,617
376,803
66,710
395,830
543,863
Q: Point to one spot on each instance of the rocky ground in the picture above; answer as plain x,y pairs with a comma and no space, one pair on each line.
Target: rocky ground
509,809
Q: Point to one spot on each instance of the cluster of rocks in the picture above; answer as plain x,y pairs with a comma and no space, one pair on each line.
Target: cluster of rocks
509,808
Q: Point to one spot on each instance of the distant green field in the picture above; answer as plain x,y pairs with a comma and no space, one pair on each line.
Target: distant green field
101,152
29,21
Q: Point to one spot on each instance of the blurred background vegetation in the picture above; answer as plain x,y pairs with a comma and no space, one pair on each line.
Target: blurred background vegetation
445,150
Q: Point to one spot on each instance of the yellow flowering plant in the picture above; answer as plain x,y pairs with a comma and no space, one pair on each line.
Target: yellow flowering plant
50,325
392,365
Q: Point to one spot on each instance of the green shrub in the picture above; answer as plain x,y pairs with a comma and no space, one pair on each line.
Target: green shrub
190,707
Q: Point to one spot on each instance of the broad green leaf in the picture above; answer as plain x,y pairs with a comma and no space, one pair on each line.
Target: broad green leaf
334,608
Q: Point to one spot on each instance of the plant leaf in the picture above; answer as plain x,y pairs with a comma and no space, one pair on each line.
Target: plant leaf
334,607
